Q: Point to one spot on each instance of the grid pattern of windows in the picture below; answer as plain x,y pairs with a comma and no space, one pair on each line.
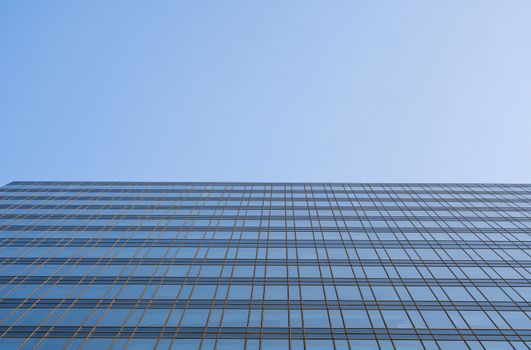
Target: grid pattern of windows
218,266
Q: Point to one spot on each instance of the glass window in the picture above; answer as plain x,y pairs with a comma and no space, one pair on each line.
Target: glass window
203,292
276,293
195,318
494,294
477,319
516,319
312,293
436,319
315,318
235,318
348,293
457,293
384,293
274,344
240,292
396,319
230,344
356,319
155,317
114,317
275,318
421,293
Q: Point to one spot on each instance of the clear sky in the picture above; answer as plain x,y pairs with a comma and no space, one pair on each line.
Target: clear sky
359,91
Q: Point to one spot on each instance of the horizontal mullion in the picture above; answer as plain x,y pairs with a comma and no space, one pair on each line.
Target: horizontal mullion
263,218
161,228
345,190
35,262
262,333
272,200
332,206
278,243
81,303
156,280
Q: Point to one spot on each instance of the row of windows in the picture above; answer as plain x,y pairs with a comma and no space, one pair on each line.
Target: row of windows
289,188
314,227
491,208
275,332
388,264
267,239
488,208
308,318
32,251
310,199
265,212
291,271
259,201
400,221
270,281
270,292
341,189
336,188
264,215
254,344
438,236
273,245
314,196
249,185
300,238
270,304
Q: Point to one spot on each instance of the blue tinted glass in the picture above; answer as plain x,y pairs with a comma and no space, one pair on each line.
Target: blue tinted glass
262,266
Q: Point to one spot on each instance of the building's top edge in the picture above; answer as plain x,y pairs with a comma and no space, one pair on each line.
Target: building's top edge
204,183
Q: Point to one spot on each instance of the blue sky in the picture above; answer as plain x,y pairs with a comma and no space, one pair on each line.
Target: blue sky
369,91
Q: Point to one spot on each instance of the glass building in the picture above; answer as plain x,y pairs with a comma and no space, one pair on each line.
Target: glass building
228,266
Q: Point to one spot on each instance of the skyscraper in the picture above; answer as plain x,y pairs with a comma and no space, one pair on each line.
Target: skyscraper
114,265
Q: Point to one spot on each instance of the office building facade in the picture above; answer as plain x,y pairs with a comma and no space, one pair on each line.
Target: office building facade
227,266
